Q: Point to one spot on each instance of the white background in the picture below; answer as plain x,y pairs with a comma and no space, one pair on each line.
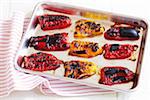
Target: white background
138,8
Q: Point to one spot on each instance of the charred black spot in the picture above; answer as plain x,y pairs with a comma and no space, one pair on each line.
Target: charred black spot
119,78
129,32
95,48
88,23
74,65
75,33
53,40
71,75
80,52
111,71
27,43
43,26
76,44
114,47
64,45
41,17
77,26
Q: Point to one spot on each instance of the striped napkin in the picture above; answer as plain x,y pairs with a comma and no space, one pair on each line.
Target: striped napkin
11,32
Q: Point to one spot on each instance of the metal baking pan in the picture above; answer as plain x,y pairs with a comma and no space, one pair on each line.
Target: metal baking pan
95,48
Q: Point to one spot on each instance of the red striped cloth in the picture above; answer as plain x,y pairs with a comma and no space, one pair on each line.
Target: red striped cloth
11,79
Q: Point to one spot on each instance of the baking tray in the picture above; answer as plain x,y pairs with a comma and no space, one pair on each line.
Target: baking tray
107,20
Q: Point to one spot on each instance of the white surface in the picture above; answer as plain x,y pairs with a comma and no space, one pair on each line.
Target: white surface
139,8
36,95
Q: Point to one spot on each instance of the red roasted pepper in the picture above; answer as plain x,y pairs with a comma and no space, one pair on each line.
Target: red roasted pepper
39,62
51,22
118,51
115,75
56,42
119,32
